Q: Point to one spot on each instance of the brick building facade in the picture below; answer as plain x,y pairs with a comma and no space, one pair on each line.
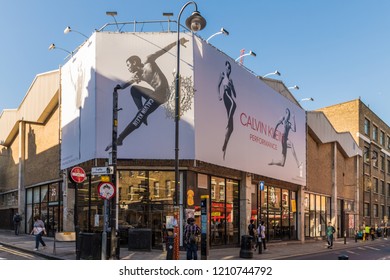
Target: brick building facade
373,136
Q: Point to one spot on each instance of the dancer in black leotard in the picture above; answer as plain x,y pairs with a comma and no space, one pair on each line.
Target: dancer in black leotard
286,142
228,96
149,72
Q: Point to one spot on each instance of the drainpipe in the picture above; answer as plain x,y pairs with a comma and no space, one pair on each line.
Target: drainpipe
334,187
21,186
357,197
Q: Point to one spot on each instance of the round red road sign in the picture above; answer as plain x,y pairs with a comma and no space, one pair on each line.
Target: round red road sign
77,174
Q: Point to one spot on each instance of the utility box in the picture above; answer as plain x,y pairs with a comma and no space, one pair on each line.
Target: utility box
90,246
140,239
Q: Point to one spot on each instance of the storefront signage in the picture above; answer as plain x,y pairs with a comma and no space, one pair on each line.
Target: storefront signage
261,185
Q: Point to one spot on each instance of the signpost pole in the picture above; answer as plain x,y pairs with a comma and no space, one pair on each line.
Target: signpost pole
106,191
76,220
77,175
105,228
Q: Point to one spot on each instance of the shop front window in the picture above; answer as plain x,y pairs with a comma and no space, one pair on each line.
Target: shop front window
146,200
317,214
224,211
44,201
277,207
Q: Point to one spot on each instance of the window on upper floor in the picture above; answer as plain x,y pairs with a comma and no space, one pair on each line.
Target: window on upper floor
382,138
375,133
375,158
376,214
366,127
383,162
382,188
382,214
388,142
376,185
366,154
366,209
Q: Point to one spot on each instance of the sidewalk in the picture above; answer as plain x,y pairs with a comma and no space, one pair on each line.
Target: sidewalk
275,251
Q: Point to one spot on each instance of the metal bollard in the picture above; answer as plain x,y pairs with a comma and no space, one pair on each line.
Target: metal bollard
345,237
246,250
260,244
170,245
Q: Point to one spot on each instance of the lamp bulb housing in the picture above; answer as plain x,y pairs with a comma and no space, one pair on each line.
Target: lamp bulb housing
196,26
196,22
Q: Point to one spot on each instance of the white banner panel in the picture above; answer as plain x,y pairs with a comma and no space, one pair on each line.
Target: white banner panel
143,64
78,141
244,124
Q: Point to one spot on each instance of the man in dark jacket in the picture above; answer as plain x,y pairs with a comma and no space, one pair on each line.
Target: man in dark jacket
17,219
191,234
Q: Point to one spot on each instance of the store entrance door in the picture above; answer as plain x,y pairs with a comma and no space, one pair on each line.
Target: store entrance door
274,225
53,220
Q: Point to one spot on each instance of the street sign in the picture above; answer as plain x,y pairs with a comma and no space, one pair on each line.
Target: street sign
105,170
77,174
106,190
261,185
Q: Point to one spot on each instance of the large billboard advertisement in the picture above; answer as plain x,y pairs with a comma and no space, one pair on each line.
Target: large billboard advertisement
244,124
142,66
229,117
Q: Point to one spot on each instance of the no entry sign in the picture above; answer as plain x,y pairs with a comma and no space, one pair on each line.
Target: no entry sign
77,174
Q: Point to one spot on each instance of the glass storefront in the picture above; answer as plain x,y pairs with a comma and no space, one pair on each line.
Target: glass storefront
278,208
147,199
224,211
317,209
45,201
90,206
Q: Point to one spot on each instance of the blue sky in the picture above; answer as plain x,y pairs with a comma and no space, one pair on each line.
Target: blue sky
334,50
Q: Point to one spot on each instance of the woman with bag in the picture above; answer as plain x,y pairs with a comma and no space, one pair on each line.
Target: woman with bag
38,231
261,231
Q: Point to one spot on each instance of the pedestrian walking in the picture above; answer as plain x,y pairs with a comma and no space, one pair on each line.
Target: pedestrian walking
261,234
191,234
38,231
252,232
330,230
372,233
17,219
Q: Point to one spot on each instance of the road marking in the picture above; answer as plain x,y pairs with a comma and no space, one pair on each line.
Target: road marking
352,252
17,253
372,248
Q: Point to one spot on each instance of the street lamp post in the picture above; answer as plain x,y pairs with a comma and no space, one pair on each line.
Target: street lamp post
246,54
114,156
222,31
195,23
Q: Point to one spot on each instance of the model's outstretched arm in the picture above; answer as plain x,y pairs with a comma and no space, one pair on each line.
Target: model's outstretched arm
294,127
126,84
154,56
